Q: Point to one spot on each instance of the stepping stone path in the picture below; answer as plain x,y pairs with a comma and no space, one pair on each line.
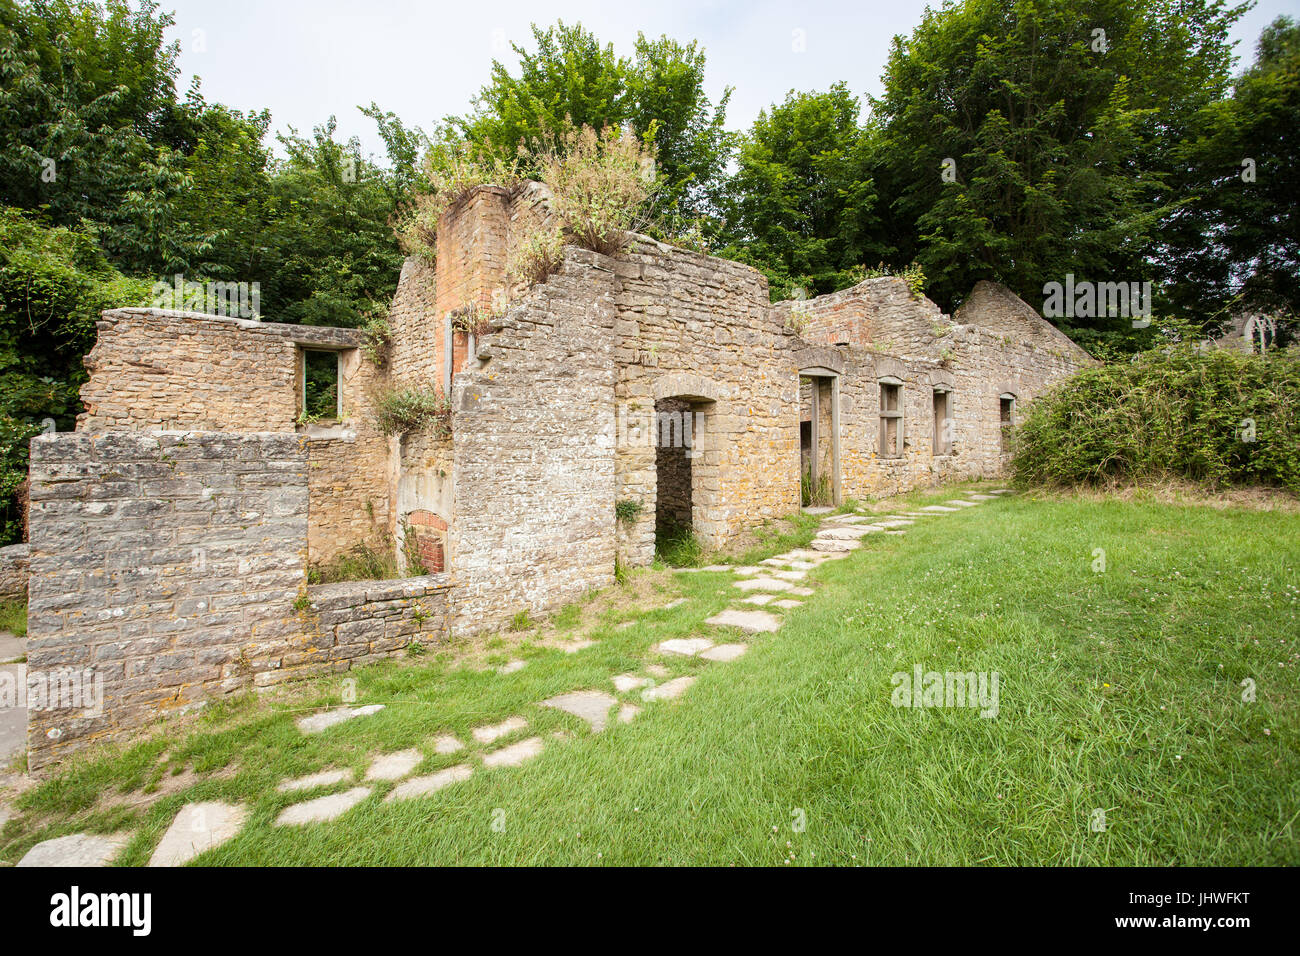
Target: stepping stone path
686,646
326,778
485,735
938,508
627,713
197,828
672,604
323,721
759,599
626,682
755,622
669,690
80,849
394,766
787,605
764,584
423,786
515,754
322,808
835,544
591,705
724,653
961,503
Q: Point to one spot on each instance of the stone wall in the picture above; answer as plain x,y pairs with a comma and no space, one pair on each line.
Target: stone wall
154,369
533,428
358,622
166,564
14,561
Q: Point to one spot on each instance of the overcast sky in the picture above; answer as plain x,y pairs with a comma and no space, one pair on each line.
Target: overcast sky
308,59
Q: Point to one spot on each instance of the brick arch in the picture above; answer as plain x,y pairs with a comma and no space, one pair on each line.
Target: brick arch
430,533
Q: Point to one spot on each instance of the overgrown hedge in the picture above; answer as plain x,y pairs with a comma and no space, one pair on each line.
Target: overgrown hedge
1218,417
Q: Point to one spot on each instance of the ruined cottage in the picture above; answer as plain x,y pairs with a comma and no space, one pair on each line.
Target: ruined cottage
620,399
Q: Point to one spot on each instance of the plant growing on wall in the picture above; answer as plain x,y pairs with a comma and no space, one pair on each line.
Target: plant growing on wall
402,410
415,566
538,257
476,321
376,337
627,509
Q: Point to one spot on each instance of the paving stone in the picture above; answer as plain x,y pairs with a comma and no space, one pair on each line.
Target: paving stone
755,622
79,849
198,828
895,532
669,690
984,497
11,647
447,744
750,569
999,491
845,534
776,562
487,734
394,766
322,721
724,652
686,646
835,544
788,605
515,754
763,584
626,682
322,808
627,713
894,523
511,666
576,646
758,599
960,503
790,575
938,508
431,783
817,510
590,705
326,778
672,604
657,670
802,592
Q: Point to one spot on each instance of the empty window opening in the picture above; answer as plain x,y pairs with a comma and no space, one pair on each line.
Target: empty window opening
891,418
320,385
943,426
1007,416
818,448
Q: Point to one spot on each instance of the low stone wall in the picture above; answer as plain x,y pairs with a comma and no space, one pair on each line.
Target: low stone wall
13,572
356,622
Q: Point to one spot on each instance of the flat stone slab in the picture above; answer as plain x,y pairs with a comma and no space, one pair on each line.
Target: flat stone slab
576,646
896,532
627,713
999,491
894,523
711,567
322,808
847,519
835,544
763,584
938,508
758,599
197,828
802,592
626,682
432,783
326,778
509,667
724,652
817,510
672,604
846,534
394,766
750,569
686,646
447,744
515,754
11,647
657,670
79,849
961,503
487,734
591,705
323,721
669,690
788,605
790,575
984,497
755,622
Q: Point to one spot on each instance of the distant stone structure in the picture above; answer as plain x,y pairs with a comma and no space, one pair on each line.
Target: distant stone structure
662,377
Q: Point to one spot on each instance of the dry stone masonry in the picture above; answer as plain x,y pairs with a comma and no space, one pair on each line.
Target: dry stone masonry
620,400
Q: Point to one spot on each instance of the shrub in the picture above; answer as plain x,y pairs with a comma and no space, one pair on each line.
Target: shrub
362,562
1219,417
475,321
402,410
601,184
376,337
538,257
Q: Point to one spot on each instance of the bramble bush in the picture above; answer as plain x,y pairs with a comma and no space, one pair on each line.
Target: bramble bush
1217,417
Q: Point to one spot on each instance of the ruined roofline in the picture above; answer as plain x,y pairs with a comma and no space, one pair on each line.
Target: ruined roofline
322,335
987,289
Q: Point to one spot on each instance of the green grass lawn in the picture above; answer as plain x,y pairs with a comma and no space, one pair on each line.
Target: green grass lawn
1120,691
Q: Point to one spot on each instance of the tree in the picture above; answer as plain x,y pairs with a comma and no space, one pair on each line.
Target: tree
1235,244
802,202
1056,124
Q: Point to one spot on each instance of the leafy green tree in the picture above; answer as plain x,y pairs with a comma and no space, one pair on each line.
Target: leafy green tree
1056,124
1235,244
802,202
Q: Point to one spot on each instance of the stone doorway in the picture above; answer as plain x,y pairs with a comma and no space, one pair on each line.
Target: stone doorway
819,437
687,488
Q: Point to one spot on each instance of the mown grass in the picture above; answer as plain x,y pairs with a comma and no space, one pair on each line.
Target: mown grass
13,617
1120,691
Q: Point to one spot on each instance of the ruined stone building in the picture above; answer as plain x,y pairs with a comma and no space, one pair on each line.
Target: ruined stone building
172,532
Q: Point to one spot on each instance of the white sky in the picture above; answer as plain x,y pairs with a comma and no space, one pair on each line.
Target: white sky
308,59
